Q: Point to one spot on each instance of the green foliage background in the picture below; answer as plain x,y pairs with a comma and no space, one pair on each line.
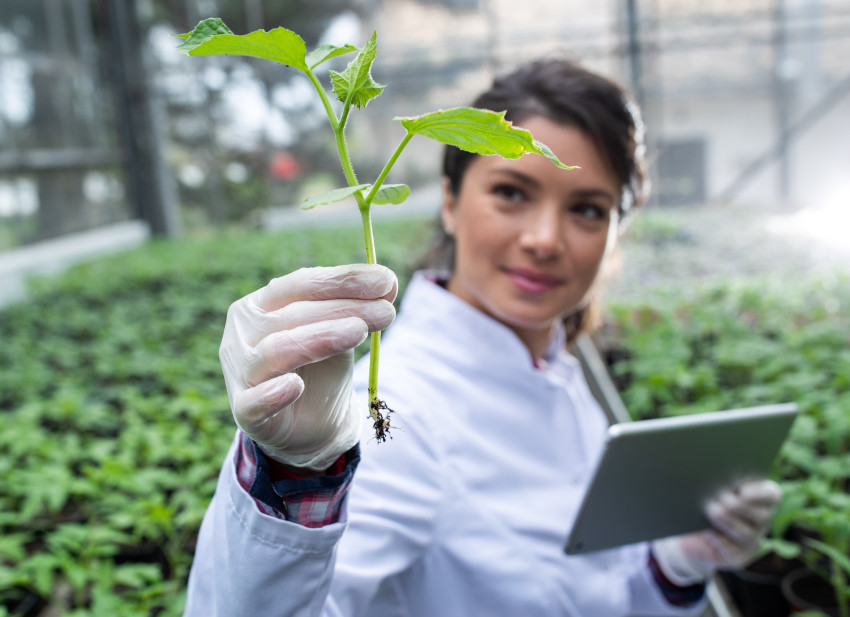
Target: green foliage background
115,417
741,343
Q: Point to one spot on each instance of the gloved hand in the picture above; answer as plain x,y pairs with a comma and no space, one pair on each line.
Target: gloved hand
739,517
287,357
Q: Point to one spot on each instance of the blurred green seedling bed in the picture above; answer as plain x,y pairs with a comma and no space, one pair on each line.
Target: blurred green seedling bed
115,416
730,344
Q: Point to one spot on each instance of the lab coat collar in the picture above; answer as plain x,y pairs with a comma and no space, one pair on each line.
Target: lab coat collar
429,306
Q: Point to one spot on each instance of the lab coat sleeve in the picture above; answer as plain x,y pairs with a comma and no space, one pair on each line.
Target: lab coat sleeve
646,596
248,563
394,507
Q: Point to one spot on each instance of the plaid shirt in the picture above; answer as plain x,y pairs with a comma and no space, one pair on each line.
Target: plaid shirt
675,595
311,502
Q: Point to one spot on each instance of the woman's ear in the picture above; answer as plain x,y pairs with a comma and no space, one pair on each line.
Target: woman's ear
447,211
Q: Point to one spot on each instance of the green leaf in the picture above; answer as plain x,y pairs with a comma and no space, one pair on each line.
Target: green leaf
78,574
333,196
39,572
391,194
479,131
838,557
783,548
8,578
212,38
326,52
12,545
138,575
387,194
355,84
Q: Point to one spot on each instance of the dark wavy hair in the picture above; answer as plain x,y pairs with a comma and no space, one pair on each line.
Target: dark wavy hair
563,92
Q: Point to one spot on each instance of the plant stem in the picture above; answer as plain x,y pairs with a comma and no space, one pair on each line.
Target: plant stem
371,258
386,170
325,101
343,118
339,134
375,343
375,339
364,204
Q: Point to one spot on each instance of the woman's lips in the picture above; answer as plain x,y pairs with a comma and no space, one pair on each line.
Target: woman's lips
533,282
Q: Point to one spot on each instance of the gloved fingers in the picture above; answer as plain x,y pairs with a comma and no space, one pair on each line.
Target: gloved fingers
725,552
254,408
282,352
752,499
743,512
378,314
735,525
354,281
761,492
247,325
285,301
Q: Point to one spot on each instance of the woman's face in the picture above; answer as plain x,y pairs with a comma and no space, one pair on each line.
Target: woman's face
531,237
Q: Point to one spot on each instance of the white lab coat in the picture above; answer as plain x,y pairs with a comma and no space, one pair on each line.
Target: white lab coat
463,513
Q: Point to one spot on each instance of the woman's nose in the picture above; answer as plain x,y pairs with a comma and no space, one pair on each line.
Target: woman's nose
542,233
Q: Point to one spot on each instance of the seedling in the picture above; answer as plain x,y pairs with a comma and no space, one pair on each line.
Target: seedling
475,130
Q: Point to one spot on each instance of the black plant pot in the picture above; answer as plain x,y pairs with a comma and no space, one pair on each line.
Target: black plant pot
805,590
757,589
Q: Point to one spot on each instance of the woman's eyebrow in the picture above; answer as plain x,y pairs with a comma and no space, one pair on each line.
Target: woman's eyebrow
591,193
531,181
517,175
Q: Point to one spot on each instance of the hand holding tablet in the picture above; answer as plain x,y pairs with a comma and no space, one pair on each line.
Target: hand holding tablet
739,517
656,478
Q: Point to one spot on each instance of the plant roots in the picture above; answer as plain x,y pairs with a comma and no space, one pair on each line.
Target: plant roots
381,424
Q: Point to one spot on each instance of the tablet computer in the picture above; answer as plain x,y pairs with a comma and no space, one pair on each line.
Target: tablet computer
654,477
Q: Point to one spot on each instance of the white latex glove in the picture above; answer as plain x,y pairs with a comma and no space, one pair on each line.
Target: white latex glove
739,517
287,356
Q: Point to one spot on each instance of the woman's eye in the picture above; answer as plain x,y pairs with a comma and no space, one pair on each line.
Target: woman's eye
509,192
591,212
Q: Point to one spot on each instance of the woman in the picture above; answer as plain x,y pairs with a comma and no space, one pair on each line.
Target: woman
466,510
